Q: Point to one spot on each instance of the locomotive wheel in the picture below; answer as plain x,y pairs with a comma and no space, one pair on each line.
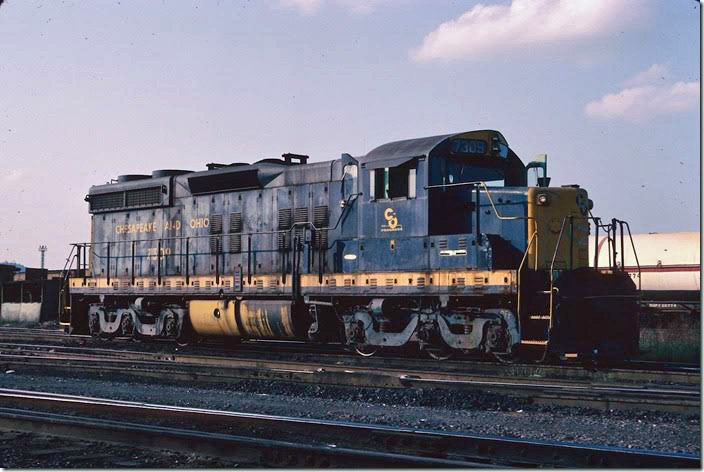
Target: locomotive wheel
171,326
126,326
366,350
439,353
504,358
94,325
495,337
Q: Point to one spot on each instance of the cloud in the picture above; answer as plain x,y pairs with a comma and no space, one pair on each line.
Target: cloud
645,99
12,176
651,75
310,7
490,28
306,7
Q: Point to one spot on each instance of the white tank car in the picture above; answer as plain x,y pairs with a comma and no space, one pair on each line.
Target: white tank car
669,263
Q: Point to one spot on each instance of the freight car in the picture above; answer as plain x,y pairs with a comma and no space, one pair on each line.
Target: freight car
666,267
436,242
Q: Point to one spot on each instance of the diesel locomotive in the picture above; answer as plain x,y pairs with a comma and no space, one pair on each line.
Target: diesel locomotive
435,242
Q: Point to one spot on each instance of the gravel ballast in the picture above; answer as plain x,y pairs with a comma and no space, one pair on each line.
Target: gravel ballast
471,412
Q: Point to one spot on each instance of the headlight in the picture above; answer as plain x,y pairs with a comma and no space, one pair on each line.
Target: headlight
583,203
543,199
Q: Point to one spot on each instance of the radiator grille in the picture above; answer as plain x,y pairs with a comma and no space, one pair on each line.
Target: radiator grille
300,216
135,198
320,220
462,243
420,283
442,244
235,229
106,201
216,234
143,196
284,224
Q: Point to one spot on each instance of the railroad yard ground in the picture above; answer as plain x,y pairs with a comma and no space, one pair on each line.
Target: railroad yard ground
25,450
428,409
436,409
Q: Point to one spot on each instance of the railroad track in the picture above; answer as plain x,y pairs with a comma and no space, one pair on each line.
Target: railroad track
635,372
186,367
284,441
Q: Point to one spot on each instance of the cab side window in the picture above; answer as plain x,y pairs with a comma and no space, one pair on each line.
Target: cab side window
393,182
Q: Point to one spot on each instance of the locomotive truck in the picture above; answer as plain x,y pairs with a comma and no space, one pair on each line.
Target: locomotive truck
434,242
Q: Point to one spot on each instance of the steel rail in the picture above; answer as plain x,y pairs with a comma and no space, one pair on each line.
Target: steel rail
642,372
341,443
680,400
263,452
109,355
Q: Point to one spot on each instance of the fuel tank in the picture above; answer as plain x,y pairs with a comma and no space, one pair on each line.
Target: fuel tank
214,317
270,319
254,319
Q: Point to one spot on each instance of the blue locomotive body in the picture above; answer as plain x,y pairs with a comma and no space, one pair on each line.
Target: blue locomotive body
436,241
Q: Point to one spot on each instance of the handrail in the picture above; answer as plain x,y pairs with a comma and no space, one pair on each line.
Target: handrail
533,237
633,246
64,279
552,269
350,199
496,212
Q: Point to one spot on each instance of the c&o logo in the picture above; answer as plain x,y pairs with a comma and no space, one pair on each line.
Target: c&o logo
391,221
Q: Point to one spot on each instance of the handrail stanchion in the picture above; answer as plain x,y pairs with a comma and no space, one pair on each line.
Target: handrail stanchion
635,254
249,259
623,261
132,269
533,237
552,268
294,272
188,262
108,263
217,259
613,232
596,243
78,260
571,241
478,215
158,263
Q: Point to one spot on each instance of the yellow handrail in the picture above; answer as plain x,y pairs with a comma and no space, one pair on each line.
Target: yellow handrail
533,237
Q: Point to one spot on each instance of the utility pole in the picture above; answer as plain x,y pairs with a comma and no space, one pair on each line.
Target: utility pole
42,250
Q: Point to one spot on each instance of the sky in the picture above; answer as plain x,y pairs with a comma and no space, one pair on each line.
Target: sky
609,90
